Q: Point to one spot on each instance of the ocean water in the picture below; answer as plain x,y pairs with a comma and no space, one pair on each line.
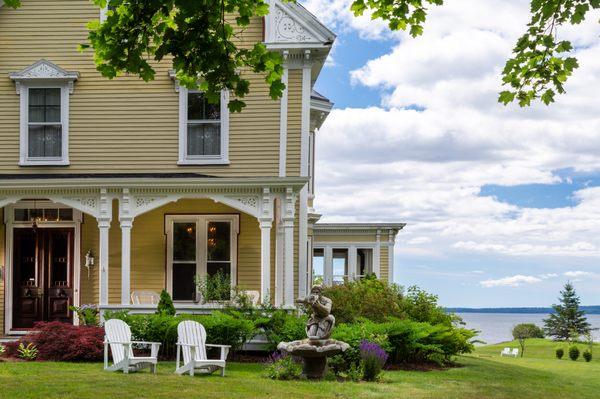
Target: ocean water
497,327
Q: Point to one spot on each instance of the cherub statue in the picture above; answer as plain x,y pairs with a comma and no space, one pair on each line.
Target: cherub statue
321,321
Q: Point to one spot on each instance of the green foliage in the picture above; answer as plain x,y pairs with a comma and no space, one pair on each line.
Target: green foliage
377,300
221,328
573,352
587,355
214,288
28,352
523,331
283,368
406,15
568,320
560,352
281,326
2,350
87,314
165,304
406,341
199,36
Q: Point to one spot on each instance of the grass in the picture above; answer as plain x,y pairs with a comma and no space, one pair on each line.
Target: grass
484,374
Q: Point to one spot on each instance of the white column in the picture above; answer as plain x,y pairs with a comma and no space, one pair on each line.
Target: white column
265,259
279,256
303,242
104,220
304,161
328,265
391,245
266,222
126,219
126,226
352,262
377,256
288,234
283,119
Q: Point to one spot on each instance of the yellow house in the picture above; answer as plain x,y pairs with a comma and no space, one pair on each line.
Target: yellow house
113,188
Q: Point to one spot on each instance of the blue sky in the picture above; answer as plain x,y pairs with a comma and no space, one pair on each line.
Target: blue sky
501,202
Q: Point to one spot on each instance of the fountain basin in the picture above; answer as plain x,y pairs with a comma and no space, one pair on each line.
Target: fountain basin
314,354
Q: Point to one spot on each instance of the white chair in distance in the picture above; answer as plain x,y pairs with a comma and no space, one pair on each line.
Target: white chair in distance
191,340
144,298
118,337
509,352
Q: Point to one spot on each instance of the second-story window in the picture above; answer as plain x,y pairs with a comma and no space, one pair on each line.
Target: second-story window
44,89
203,126
203,129
45,124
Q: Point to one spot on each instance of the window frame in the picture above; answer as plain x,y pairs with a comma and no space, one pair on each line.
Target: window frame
184,157
201,221
25,159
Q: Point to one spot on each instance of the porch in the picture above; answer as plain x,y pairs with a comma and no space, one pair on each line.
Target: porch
154,233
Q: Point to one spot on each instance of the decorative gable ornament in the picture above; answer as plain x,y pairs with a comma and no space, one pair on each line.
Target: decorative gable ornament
291,24
45,72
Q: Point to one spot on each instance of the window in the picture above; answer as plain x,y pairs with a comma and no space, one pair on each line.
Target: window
203,129
318,266
199,246
340,265
365,261
44,106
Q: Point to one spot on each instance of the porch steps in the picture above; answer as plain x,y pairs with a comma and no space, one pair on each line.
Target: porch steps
9,338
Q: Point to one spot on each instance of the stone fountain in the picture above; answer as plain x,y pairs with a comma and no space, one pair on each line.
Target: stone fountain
315,350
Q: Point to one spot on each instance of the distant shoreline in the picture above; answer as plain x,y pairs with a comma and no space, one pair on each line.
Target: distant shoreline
587,309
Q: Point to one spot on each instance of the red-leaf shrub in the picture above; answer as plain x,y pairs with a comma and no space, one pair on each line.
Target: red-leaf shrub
58,341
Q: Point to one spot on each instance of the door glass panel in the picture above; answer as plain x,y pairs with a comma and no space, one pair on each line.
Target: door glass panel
21,215
184,281
218,245
66,214
26,261
59,259
184,242
318,266
340,265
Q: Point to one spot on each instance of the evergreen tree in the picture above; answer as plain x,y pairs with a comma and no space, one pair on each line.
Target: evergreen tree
165,305
567,320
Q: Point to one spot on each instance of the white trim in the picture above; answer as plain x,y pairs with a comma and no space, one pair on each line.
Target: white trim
291,24
305,122
391,246
201,222
283,120
103,13
10,225
302,242
377,255
25,159
184,158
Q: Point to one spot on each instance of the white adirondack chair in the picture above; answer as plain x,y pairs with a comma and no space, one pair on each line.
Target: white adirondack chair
515,352
191,340
145,298
118,337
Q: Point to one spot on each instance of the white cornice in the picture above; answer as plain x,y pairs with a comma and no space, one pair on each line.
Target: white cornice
356,228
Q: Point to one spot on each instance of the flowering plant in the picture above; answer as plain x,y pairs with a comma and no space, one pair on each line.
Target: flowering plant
373,358
282,367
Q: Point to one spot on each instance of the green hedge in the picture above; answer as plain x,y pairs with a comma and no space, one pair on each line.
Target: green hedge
221,328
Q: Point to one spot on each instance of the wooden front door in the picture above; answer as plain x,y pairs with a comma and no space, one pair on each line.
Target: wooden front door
43,275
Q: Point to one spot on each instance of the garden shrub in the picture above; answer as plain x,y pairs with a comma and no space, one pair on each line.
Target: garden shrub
283,367
377,300
2,350
560,352
165,304
281,326
221,328
587,355
87,314
58,341
574,352
373,358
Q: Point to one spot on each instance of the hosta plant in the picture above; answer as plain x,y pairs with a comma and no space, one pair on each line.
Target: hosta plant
28,352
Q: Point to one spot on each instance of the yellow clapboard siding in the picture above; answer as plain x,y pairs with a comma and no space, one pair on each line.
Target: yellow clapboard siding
384,263
108,116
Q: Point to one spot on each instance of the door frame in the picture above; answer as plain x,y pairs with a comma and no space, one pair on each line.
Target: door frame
10,224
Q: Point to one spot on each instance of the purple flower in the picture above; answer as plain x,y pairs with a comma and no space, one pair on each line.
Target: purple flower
370,350
275,357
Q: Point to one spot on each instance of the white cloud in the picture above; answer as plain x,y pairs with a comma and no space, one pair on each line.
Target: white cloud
577,273
512,281
546,276
419,241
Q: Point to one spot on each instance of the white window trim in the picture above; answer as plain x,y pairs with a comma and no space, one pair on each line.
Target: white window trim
201,252
25,159
184,158
43,74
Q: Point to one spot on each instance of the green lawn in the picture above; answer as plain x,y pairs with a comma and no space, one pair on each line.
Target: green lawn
483,375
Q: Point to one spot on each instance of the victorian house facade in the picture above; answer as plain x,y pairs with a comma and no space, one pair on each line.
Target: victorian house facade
110,187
